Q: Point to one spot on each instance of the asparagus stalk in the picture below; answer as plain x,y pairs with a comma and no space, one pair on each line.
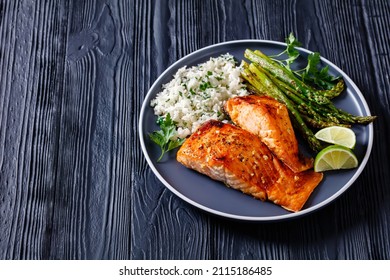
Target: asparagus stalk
335,91
287,76
319,118
316,99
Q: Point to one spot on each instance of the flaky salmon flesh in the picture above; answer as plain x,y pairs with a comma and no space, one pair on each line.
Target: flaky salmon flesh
239,159
269,120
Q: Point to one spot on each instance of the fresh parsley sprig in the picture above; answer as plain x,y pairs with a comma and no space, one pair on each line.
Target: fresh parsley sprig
313,73
291,52
316,75
165,137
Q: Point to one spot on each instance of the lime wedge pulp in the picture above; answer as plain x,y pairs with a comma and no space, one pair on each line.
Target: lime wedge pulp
335,157
337,135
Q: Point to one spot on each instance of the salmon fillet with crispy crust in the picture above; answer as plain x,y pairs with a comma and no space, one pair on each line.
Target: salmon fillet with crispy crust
269,119
238,158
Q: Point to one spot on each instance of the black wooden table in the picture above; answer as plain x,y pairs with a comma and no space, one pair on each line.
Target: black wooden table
74,183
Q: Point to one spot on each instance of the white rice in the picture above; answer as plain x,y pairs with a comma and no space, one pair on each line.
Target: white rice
197,94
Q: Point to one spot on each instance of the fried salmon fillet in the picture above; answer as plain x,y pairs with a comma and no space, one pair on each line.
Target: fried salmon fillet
238,158
269,119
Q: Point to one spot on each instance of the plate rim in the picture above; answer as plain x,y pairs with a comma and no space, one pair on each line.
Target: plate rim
283,217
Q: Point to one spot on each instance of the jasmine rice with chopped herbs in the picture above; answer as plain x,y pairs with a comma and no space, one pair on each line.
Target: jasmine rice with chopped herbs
198,93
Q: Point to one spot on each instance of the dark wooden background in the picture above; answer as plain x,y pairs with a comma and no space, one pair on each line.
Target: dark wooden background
73,181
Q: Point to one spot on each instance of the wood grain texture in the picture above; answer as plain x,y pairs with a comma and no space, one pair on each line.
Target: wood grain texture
73,181
32,41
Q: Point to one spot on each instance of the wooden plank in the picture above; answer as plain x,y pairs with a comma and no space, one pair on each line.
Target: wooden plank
33,74
94,173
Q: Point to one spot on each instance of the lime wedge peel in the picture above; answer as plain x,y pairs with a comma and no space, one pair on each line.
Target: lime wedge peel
335,157
337,135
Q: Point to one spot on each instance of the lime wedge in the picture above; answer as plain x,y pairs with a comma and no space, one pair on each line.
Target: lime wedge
337,135
335,157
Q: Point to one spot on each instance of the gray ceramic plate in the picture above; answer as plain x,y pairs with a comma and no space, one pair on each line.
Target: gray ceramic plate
215,197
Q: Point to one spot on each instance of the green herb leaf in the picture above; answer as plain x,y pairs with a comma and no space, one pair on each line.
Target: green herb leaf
312,63
312,74
291,50
175,143
163,137
205,86
316,75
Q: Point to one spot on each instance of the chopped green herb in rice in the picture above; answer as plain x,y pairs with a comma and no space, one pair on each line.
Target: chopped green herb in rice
197,94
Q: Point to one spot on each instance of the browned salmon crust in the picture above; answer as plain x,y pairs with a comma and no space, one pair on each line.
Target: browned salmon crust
269,119
238,158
